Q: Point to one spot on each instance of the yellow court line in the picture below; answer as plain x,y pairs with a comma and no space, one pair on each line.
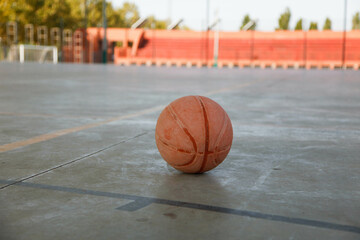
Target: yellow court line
47,115
48,136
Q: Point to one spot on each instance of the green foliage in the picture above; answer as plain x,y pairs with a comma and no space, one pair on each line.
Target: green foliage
38,13
356,21
313,26
153,23
299,25
185,28
284,20
129,13
7,13
327,24
245,21
70,13
95,15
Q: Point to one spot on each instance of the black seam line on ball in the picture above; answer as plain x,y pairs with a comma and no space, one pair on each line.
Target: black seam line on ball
206,124
222,130
182,126
141,202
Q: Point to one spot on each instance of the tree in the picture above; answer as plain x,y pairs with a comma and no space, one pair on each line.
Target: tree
356,21
284,20
66,13
245,21
185,28
69,12
152,22
38,13
129,13
299,25
313,26
327,24
95,13
9,11
95,18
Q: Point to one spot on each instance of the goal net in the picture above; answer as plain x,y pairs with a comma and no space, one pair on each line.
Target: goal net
33,53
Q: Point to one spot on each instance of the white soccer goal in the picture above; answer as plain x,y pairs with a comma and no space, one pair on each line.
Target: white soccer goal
33,53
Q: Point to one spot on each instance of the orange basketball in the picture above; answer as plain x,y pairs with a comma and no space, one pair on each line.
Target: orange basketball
194,134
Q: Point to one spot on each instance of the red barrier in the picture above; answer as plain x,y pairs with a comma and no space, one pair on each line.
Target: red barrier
279,48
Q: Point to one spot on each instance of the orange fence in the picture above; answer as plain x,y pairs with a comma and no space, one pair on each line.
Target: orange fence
252,48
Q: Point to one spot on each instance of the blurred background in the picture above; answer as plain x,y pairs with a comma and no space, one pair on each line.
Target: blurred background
299,34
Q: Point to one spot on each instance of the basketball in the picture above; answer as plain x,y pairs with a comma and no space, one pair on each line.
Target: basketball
194,134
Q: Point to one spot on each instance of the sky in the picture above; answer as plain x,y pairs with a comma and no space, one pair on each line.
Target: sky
231,12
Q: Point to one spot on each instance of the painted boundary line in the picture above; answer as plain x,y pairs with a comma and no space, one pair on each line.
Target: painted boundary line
48,136
39,115
139,202
70,162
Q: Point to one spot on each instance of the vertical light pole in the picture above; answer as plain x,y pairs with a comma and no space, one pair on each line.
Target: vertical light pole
216,38
305,43
207,14
85,31
207,32
153,55
61,54
104,43
344,36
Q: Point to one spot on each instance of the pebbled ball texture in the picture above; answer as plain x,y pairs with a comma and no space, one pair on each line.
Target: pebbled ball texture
194,134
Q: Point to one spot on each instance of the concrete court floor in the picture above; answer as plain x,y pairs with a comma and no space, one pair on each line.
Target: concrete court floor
78,158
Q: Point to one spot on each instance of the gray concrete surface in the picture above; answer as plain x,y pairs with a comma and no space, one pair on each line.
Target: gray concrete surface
293,171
